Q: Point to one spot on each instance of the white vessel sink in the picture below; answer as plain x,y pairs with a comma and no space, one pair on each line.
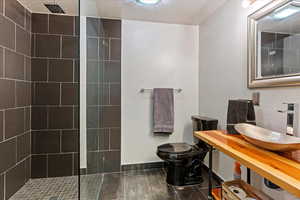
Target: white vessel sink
267,139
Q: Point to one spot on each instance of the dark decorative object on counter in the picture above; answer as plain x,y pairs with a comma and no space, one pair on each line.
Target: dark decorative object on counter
239,111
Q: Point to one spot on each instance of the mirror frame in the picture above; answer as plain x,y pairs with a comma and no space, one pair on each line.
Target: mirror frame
253,82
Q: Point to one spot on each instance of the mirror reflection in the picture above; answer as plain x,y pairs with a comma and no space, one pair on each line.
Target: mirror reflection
278,38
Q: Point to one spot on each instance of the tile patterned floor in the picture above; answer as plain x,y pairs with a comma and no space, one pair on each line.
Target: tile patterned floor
130,185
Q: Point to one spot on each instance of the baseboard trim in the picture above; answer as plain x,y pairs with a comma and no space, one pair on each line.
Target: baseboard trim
143,166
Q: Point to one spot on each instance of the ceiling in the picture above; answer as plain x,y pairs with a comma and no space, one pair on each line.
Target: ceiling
167,11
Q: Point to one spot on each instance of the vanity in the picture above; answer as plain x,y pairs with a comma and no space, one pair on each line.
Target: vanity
279,169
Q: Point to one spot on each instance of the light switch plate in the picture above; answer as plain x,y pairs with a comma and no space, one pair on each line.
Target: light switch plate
256,98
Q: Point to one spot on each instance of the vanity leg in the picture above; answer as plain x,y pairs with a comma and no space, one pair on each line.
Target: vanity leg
248,176
210,173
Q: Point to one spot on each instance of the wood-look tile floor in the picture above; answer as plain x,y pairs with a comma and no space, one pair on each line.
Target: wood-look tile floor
148,185
129,185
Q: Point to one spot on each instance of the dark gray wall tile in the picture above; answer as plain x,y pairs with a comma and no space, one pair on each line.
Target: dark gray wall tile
28,168
92,71
15,179
115,138
69,141
14,65
115,94
267,39
47,94
60,117
110,116
112,71
104,49
39,69
103,95
23,146
7,154
1,182
93,139
1,126
1,11
69,93
14,93
39,118
111,28
23,93
1,61
40,23
59,24
92,94
14,122
28,21
61,70
92,26
92,48
38,166
27,118
7,32
60,165
33,45
76,164
76,71
115,49
28,69
15,11
45,142
70,47
95,162
103,139
23,42
77,25
104,92
92,117
76,117
7,91
47,46
112,161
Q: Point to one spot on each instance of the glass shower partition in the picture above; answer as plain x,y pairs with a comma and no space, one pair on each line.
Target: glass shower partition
100,101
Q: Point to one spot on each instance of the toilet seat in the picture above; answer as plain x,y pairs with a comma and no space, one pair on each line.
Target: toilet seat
177,152
175,148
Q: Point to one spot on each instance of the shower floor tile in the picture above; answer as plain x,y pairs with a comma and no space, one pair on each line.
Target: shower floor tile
61,188
129,185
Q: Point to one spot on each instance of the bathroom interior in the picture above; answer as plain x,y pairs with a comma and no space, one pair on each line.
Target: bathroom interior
149,99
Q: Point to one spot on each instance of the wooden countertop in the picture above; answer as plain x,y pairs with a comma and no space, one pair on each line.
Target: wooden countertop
278,169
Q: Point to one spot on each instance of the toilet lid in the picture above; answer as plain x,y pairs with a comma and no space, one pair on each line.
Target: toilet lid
175,148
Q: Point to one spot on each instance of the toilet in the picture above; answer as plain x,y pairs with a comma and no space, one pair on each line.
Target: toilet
184,161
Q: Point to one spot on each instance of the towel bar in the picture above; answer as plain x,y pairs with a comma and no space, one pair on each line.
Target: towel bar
149,90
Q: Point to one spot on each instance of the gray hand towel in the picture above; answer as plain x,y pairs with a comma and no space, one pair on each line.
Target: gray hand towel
239,111
163,110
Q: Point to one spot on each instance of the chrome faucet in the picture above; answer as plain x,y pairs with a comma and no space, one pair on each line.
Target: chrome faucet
292,119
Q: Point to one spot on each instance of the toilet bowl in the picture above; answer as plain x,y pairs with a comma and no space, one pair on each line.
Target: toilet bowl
184,162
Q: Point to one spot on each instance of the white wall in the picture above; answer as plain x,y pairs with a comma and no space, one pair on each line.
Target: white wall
223,69
156,55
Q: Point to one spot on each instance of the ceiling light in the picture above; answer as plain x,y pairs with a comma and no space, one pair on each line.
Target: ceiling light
286,12
247,3
148,2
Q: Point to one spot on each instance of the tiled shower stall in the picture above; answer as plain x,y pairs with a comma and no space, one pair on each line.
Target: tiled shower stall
39,96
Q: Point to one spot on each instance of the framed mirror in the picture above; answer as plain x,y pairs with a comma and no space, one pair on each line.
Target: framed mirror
274,45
